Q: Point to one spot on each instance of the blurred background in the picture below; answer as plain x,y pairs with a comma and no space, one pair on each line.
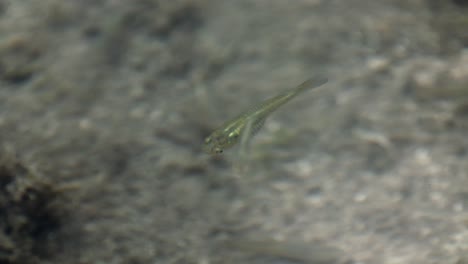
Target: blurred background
104,106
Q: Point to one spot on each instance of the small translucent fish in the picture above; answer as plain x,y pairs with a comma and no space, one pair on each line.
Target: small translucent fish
230,132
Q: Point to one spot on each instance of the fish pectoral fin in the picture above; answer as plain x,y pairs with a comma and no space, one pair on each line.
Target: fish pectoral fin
256,126
247,132
245,136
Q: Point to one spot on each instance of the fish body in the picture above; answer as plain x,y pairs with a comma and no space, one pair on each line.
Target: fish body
230,132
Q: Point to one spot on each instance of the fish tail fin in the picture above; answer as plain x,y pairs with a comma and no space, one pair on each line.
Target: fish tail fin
311,83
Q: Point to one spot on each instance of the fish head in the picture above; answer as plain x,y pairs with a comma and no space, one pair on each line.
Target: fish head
218,141
213,143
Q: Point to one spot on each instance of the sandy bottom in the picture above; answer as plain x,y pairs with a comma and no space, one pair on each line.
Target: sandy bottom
104,106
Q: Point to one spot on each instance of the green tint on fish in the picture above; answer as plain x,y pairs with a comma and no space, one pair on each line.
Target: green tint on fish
230,132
